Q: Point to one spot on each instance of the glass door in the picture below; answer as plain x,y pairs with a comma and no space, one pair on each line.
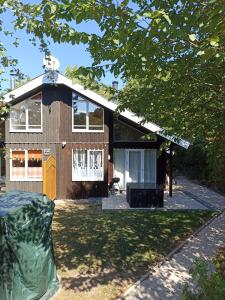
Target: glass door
134,165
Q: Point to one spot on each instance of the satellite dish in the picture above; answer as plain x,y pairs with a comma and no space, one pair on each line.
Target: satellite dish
51,63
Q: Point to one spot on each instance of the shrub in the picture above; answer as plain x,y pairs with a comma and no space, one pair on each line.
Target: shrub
210,285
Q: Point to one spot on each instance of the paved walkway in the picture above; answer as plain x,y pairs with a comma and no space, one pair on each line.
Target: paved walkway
167,280
203,194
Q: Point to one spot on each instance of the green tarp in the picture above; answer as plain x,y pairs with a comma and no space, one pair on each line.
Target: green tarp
27,268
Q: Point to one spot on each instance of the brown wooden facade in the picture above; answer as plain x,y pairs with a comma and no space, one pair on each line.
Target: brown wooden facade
57,128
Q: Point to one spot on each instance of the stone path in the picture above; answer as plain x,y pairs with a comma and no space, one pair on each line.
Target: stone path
167,280
205,195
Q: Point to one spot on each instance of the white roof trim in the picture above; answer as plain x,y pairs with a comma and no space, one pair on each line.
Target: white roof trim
57,78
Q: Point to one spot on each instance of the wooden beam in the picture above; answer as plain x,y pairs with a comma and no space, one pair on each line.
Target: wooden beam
171,170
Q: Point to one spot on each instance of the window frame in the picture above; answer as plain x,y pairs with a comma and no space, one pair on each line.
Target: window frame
27,116
25,178
88,163
81,99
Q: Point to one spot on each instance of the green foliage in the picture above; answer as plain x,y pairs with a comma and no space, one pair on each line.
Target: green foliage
78,75
204,162
171,53
219,261
210,286
192,162
22,81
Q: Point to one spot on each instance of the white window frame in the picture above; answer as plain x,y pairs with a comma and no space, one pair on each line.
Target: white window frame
25,178
87,116
26,117
88,163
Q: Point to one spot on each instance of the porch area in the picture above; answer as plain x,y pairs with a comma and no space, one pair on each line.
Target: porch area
179,201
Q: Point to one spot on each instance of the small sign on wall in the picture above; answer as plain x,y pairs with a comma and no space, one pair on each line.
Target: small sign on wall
47,151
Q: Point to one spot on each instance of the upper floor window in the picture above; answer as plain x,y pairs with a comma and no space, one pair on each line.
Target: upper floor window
86,115
27,115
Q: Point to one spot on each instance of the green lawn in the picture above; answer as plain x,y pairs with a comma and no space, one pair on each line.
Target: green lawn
99,254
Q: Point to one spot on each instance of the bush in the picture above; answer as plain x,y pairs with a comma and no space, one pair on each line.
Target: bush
204,162
192,162
210,286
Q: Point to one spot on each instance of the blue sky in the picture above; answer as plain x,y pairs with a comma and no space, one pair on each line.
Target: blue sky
30,57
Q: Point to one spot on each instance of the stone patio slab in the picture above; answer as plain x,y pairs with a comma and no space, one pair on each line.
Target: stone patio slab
179,201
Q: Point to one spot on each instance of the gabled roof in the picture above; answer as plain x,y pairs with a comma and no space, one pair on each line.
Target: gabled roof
52,77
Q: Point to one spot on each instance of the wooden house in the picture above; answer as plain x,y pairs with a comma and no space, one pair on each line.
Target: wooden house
51,117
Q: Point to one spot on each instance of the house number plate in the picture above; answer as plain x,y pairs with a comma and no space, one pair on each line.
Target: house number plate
47,151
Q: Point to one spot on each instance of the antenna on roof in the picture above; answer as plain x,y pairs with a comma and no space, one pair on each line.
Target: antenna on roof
51,63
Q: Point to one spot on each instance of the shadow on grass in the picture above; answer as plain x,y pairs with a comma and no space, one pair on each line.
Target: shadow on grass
94,247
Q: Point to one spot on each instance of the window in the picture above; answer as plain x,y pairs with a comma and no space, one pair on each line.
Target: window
27,115
126,133
87,165
26,165
86,115
18,164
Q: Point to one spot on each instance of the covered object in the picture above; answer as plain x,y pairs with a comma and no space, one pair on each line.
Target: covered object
27,268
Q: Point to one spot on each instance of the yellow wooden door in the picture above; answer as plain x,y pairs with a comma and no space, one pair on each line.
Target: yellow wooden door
49,177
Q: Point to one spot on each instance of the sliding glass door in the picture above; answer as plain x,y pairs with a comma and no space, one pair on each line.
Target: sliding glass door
135,165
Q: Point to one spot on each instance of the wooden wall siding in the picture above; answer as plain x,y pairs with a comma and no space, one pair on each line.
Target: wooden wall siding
51,97
68,189
66,133
27,186
30,186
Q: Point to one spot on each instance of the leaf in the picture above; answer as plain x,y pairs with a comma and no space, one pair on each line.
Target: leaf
166,16
192,37
116,41
199,53
147,14
214,41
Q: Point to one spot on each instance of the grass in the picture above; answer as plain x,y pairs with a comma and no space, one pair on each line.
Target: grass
100,254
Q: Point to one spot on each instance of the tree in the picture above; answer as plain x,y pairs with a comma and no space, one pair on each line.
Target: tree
170,52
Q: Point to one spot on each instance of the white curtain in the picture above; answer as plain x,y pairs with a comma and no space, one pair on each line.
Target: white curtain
134,166
87,165
150,165
95,164
80,164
